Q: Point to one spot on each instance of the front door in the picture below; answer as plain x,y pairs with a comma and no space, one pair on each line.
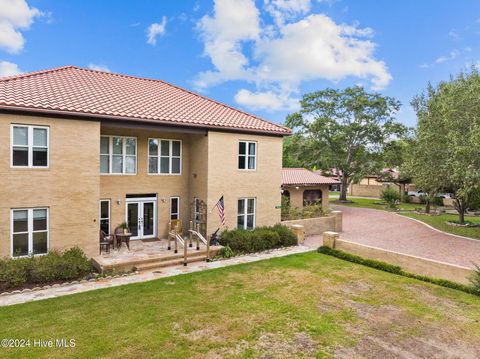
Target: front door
142,219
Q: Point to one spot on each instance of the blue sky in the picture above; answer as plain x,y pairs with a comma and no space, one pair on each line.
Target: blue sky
259,56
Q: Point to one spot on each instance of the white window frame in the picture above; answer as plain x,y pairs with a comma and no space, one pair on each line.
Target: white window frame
29,145
100,214
246,214
247,155
178,207
159,156
30,230
124,155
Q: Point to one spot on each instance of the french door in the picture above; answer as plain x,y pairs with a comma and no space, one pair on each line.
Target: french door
142,218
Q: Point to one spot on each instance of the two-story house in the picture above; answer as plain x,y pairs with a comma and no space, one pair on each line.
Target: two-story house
82,150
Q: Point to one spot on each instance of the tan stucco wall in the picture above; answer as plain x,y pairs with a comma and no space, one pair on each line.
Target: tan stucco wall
69,187
116,187
224,178
317,226
296,195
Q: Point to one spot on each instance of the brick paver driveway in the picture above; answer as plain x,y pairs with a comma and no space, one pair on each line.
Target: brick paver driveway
393,232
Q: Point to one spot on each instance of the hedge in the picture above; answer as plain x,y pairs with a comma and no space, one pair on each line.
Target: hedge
51,267
259,239
386,267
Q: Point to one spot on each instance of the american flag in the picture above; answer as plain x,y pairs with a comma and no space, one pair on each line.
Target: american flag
221,210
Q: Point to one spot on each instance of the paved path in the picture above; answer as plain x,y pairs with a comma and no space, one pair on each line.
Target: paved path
394,232
84,286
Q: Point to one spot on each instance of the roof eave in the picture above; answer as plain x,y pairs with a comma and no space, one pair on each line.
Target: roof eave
92,116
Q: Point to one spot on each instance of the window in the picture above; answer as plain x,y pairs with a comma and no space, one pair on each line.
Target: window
247,155
246,213
118,155
164,156
29,231
29,146
105,215
174,207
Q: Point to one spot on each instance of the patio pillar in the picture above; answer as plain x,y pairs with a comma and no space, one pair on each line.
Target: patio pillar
329,239
338,221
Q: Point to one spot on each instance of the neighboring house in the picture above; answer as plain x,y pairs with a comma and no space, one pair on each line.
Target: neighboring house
372,185
302,187
82,150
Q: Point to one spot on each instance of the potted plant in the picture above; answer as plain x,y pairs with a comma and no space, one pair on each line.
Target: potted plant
124,226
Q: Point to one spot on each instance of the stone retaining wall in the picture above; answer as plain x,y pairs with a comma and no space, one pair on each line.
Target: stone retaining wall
407,262
316,226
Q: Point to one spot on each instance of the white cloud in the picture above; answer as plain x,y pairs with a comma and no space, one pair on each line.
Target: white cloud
96,67
267,100
155,30
284,10
451,56
279,57
8,69
234,23
15,15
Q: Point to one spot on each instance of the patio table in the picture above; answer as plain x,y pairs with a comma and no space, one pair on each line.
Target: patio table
122,237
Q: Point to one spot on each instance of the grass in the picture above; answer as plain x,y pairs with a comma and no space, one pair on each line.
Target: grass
297,306
374,203
438,222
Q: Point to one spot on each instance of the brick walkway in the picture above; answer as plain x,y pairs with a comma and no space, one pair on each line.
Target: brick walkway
401,234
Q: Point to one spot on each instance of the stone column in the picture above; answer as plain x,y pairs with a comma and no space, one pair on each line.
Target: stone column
329,239
338,217
299,233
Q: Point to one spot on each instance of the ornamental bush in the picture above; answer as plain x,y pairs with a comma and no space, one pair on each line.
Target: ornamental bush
51,267
390,196
259,239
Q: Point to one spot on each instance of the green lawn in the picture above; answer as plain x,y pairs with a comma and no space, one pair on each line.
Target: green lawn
308,305
374,203
439,223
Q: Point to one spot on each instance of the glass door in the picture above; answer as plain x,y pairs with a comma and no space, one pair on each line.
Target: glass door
148,220
133,218
142,219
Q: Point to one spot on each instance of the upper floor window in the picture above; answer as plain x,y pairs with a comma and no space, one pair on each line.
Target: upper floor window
118,155
29,231
164,156
29,146
247,155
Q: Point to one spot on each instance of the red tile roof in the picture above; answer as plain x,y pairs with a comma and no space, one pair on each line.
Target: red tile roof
77,91
304,177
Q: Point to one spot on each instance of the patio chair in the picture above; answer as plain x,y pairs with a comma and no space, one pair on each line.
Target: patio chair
105,242
177,226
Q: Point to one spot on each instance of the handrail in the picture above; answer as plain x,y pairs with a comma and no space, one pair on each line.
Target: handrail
199,235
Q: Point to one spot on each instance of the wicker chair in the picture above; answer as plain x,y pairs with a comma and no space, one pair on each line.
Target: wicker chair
105,242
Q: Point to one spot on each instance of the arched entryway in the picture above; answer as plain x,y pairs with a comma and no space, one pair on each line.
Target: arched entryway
312,196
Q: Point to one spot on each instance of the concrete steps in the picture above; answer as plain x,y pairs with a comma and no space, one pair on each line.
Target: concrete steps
151,262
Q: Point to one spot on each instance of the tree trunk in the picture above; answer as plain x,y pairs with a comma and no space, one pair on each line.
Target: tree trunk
460,207
343,188
427,205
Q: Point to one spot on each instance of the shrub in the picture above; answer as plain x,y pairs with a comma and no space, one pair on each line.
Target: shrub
13,272
475,279
307,211
406,198
437,201
53,266
390,196
423,199
225,252
257,240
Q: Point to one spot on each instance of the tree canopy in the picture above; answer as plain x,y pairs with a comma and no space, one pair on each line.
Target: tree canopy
445,155
343,130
